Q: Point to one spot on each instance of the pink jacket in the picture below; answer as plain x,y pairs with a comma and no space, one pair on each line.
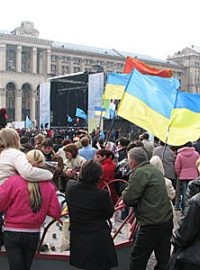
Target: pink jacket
185,163
14,202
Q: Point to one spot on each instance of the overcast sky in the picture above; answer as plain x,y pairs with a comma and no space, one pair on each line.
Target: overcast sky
151,27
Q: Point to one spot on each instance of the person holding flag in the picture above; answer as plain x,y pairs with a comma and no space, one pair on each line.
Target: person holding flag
28,123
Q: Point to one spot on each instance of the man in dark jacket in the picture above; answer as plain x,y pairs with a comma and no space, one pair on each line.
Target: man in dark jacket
186,238
122,144
146,193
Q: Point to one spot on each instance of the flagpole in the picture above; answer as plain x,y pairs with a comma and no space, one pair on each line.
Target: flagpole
165,146
121,55
100,120
168,128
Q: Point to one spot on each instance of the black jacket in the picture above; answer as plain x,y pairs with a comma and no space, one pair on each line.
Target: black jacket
186,238
91,245
122,154
193,188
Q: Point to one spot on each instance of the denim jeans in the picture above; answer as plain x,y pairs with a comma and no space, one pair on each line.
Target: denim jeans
20,248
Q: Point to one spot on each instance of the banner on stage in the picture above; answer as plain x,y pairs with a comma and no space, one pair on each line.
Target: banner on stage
45,104
95,91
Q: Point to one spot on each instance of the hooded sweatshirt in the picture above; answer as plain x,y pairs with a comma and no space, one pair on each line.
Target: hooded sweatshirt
185,163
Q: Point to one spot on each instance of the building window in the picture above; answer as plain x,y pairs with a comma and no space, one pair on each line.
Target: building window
77,69
100,63
179,74
119,65
197,64
109,64
65,69
26,61
54,58
65,59
76,60
10,99
88,69
53,69
89,61
11,59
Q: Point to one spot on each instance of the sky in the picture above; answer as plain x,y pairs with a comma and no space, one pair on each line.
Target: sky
155,28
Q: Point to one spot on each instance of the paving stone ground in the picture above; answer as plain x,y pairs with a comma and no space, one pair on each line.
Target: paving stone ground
57,241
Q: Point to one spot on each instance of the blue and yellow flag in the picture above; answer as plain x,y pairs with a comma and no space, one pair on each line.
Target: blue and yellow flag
148,102
115,85
80,113
185,119
28,122
69,119
100,111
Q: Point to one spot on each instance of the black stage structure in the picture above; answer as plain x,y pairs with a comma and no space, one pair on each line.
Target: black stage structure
67,93
123,127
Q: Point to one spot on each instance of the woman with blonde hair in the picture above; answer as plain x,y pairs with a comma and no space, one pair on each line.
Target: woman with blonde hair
37,159
13,161
25,206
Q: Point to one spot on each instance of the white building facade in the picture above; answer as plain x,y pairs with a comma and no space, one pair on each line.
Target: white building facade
26,61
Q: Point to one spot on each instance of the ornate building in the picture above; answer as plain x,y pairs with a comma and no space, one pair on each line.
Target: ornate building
189,58
27,60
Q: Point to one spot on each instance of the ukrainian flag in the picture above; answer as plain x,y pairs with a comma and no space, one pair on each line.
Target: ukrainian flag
148,102
115,85
100,111
185,119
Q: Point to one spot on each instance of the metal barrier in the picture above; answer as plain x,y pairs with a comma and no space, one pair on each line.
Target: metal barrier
130,219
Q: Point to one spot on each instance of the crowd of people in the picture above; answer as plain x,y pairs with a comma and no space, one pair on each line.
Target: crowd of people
159,179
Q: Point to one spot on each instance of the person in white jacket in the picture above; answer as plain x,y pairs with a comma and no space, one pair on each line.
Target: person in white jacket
13,161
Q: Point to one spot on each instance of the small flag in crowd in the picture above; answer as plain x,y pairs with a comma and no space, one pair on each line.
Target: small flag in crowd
100,110
80,113
69,119
28,122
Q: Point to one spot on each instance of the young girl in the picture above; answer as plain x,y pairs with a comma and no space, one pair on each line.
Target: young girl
25,206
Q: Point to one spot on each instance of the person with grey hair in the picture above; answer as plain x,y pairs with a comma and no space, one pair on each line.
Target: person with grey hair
146,193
